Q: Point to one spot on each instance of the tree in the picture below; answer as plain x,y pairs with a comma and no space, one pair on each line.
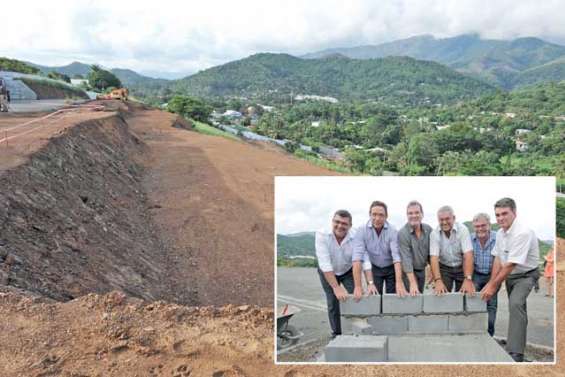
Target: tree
190,107
59,76
101,79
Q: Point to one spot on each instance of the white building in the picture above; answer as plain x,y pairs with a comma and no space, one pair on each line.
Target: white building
232,114
521,146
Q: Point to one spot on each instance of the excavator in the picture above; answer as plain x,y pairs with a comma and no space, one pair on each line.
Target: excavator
4,96
119,94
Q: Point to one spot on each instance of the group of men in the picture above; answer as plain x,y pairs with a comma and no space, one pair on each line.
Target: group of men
396,261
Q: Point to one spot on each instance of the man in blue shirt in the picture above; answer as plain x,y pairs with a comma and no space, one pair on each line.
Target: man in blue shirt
483,242
377,242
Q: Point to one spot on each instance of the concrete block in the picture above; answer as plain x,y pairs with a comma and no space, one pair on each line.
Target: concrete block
388,325
428,324
393,304
347,325
357,348
445,348
359,326
468,323
475,304
367,306
447,303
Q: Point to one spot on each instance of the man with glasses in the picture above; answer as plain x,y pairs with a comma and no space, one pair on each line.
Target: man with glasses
334,251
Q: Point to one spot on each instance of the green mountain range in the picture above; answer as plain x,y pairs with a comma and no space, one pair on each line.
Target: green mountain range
507,64
129,78
296,244
280,76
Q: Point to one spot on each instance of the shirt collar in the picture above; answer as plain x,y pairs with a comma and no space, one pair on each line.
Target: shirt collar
409,227
491,237
512,227
347,237
370,224
454,228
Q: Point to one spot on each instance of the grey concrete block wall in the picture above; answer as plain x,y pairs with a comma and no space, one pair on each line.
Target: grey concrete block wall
357,348
393,304
447,303
428,324
367,306
475,304
358,326
468,323
387,325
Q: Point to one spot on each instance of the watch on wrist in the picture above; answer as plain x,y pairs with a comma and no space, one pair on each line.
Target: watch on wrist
370,282
469,277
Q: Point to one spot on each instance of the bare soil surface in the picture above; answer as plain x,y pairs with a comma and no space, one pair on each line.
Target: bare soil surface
212,199
122,200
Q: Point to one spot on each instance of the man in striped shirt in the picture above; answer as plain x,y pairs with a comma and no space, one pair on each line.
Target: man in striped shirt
483,242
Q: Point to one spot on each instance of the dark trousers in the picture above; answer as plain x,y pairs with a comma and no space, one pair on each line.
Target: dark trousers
451,276
518,287
384,275
480,280
332,301
420,279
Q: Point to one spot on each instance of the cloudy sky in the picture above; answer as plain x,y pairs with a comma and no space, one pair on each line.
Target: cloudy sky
308,203
180,37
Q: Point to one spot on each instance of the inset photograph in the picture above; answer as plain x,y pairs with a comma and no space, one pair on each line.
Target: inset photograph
415,269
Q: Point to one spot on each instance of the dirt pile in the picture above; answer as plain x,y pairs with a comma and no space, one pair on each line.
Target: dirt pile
113,335
74,219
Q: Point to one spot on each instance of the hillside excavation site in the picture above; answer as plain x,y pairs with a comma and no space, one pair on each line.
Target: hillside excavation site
131,245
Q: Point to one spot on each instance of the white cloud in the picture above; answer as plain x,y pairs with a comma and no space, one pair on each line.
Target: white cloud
308,203
187,36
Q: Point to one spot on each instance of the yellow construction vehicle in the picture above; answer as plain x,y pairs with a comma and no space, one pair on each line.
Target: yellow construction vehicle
4,96
119,94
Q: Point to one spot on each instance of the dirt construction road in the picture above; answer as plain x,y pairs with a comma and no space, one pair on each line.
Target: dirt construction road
213,202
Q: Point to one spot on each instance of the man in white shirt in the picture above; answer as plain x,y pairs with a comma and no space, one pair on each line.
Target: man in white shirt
451,255
516,261
334,251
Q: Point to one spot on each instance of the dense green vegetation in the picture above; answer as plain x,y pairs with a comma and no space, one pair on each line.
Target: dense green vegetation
101,79
16,66
473,138
277,77
561,217
296,262
190,107
59,76
49,88
507,64
296,244
209,130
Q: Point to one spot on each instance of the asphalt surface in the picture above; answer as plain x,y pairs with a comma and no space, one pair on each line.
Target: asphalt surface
24,106
301,287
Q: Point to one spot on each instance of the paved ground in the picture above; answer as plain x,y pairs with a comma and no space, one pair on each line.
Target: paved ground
301,287
39,105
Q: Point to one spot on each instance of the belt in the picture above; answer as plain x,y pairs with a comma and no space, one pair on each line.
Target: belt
523,274
460,267
481,273
389,266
